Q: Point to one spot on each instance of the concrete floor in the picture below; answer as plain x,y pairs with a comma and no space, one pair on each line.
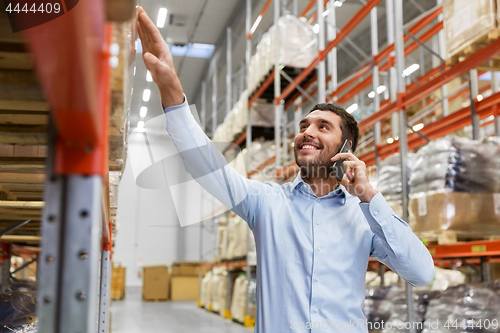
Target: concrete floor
132,315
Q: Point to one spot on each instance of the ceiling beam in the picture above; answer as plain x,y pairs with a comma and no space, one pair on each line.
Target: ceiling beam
19,105
12,177
20,239
22,204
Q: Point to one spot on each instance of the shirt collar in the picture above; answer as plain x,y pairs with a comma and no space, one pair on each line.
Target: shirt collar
341,190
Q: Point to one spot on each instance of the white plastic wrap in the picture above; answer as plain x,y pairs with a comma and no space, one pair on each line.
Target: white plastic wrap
206,290
238,301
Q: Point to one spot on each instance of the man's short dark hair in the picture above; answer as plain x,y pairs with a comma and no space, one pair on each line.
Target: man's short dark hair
349,125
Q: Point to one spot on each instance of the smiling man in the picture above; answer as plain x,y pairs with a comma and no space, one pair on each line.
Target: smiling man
313,236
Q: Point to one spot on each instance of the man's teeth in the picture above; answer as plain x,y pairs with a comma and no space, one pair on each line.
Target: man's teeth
309,147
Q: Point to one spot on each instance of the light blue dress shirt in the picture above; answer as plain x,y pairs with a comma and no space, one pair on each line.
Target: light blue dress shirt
312,253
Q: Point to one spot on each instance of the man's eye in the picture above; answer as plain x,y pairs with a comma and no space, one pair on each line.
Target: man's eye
323,126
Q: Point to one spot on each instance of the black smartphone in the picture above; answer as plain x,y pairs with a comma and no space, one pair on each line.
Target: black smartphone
338,166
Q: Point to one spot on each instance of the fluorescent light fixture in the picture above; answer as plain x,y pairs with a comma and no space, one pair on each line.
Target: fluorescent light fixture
162,17
352,108
149,78
138,46
326,12
418,127
479,98
194,50
490,118
140,124
390,140
338,3
410,69
134,70
146,95
316,28
380,90
143,111
256,24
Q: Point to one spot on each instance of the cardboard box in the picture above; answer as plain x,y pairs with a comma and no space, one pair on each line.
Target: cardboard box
155,283
472,214
117,282
185,268
185,288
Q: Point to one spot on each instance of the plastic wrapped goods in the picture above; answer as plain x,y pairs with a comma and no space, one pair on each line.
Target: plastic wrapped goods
297,48
377,306
17,308
461,309
219,282
389,180
238,301
206,290
238,233
454,188
467,22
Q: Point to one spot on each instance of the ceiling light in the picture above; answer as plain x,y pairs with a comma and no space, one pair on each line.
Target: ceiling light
410,69
143,111
194,50
352,108
134,70
390,140
256,24
138,46
140,124
338,3
418,127
371,94
146,95
316,28
380,90
162,17
479,98
490,118
149,78
326,12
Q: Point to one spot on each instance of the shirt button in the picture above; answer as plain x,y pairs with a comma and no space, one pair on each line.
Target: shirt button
316,310
375,213
317,222
317,279
317,200
319,248
390,240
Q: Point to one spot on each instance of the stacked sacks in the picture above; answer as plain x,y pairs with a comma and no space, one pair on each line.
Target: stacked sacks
238,233
463,308
206,290
389,180
454,187
219,282
238,301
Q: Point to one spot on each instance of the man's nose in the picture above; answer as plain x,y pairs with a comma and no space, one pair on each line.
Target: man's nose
310,132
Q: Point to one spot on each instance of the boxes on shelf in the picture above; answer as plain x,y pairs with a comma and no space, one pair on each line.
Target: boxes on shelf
184,288
156,283
187,268
117,282
454,189
469,25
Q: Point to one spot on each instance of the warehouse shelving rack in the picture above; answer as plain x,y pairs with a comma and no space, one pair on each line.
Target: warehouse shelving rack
72,60
402,96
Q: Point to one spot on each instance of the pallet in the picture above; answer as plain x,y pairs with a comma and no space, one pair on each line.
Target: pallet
475,46
446,237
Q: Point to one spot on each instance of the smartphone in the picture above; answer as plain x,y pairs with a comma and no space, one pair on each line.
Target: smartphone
338,165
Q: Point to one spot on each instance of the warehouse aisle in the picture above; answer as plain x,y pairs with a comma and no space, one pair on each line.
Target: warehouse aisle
132,315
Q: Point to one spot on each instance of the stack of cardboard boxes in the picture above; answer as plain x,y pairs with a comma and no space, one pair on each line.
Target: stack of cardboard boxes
180,283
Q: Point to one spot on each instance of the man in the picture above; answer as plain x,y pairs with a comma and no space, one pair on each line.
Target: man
313,236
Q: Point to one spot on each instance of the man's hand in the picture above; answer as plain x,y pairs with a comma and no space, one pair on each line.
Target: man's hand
158,60
355,170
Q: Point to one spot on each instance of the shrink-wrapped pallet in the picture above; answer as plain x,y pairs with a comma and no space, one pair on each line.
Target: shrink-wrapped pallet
238,301
206,290
218,289
454,187
238,233
467,22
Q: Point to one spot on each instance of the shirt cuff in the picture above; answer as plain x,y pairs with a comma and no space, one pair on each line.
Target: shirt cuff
175,107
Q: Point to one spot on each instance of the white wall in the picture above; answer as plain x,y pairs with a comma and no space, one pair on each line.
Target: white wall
148,232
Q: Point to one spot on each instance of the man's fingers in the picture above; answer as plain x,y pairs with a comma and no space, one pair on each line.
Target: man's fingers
150,60
346,156
150,29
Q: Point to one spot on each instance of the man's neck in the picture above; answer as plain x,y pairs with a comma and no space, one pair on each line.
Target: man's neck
322,186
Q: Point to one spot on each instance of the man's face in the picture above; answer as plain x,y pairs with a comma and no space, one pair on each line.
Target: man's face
319,139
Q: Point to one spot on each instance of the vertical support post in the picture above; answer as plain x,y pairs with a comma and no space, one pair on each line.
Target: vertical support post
442,52
200,271
474,91
204,105
214,93
403,144
485,270
104,293
495,85
297,115
393,79
229,70
296,7
332,55
285,137
242,78
5,254
381,273
321,49
277,85
228,294
376,83
248,55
